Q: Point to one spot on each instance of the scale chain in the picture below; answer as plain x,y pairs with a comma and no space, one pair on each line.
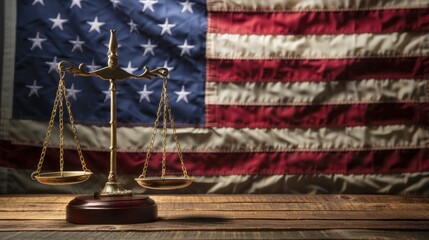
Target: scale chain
179,150
152,140
73,127
164,128
61,124
48,133
164,104
58,104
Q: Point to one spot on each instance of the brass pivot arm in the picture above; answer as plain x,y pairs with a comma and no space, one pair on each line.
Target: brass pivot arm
112,71
108,73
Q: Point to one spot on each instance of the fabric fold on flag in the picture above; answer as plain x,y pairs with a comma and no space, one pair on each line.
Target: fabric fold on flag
268,96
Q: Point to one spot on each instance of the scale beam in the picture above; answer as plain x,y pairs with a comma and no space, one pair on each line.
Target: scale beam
112,71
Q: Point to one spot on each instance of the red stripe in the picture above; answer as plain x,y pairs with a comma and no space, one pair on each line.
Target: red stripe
223,70
322,22
317,116
206,164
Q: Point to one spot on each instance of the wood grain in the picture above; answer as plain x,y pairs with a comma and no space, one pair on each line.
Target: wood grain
231,216
240,198
199,235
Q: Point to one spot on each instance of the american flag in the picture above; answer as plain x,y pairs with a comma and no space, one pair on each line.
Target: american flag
268,96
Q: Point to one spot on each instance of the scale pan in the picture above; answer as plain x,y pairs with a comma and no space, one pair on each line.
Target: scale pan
64,178
164,184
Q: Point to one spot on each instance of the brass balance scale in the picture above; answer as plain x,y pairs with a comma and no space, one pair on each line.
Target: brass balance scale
113,204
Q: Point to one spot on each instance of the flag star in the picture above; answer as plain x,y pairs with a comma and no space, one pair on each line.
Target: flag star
77,44
53,65
108,95
187,6
182,95
168,68
34,89
148,4
58,22
38,1
144,94
76,3
129,68
93,67
133,26
166,27
115,3
148,48
37,41
71,92
186,49
95,25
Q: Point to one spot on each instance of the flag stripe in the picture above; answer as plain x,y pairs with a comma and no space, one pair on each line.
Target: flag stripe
282,87
354,162
310,5
395,183
213,139
317,116
285,70
236,46
301,93
335,22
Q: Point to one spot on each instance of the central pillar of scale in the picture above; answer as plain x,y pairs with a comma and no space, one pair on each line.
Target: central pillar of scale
90,209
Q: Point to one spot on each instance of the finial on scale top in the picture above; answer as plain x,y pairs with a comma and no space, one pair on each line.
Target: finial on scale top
113,50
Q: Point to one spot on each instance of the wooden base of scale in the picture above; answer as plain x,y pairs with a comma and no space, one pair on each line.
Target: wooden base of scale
88,209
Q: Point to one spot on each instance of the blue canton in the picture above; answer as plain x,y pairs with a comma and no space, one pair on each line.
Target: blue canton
150,33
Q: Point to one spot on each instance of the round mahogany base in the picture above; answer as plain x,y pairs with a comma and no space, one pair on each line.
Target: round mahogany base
88,209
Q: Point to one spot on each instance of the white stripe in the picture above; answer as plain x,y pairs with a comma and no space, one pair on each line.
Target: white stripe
8,67
18,182
302,93
135,139
236,46
311,5
415,183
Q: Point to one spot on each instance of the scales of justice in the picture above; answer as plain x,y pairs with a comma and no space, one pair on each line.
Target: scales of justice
113,204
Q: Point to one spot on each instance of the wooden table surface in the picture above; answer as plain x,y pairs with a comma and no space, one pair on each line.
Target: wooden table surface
230,217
